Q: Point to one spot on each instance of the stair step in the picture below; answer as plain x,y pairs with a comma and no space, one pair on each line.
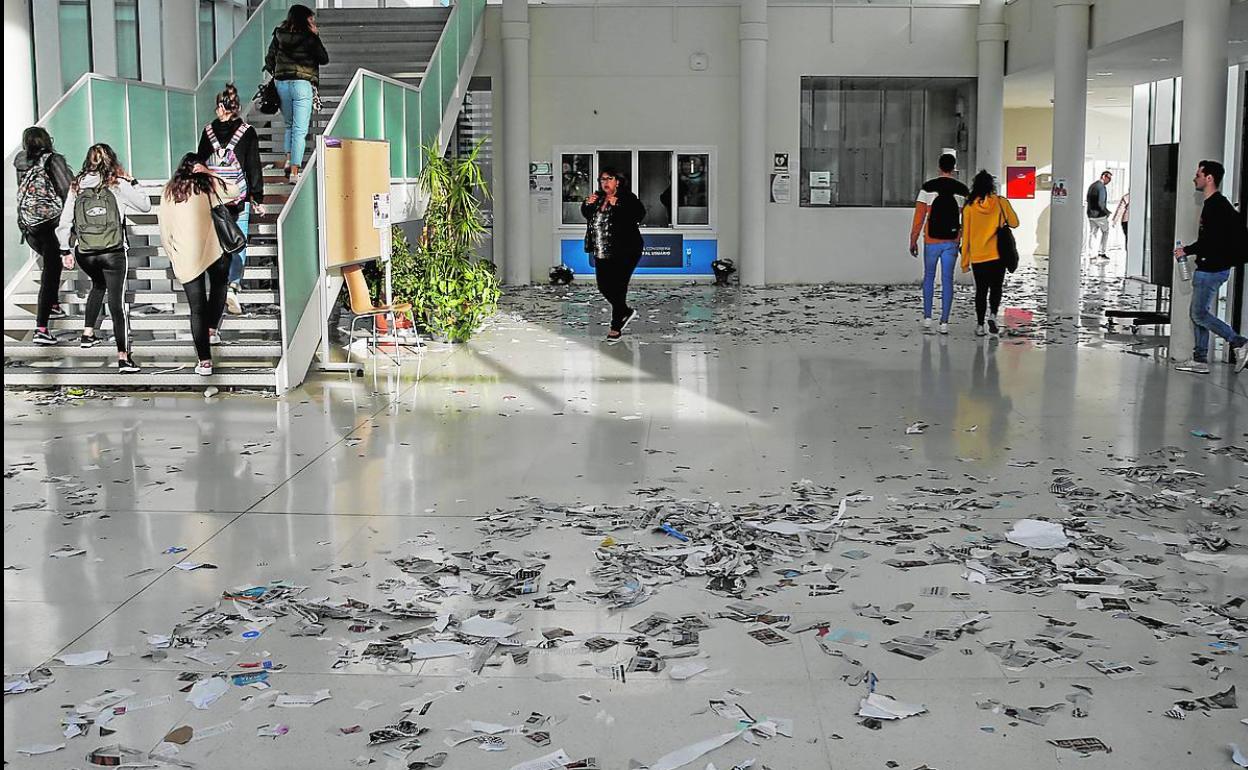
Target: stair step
166,273
162,322
148,297
106,375
152,229
150,350
157,251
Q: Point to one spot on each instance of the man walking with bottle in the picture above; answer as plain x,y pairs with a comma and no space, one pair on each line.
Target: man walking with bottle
1221,244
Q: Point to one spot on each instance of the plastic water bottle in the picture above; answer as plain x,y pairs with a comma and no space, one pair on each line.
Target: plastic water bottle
1185,269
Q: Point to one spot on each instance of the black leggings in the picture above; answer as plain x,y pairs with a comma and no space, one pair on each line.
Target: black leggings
43,240
206,295
108,274
613,275
989,278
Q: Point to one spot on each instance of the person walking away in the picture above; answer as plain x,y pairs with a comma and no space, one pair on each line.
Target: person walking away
94,223
985,213
613,241
1098,211
1221,244
1122,214
230,149
189,237
294,59
938,215
43,181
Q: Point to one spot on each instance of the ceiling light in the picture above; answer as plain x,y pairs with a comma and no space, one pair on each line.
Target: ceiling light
1103,74
1160,58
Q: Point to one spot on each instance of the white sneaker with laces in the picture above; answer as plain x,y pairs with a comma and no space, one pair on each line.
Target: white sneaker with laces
1241,357
1193,366
204,368
944,327
980,331
214,338
231,302
927,326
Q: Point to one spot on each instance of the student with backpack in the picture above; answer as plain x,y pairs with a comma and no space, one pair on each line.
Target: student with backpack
230,149
939,207
94,223
43,181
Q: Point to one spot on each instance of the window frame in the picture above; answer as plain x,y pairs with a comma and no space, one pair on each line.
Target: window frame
138,44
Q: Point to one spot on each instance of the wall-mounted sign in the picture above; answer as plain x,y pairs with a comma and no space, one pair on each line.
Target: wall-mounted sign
781,188
780,163
1059,193
1020,182
821,179
1020,152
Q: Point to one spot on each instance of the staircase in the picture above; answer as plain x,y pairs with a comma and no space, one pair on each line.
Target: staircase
397,43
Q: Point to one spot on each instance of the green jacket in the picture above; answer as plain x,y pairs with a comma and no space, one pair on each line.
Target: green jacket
295,55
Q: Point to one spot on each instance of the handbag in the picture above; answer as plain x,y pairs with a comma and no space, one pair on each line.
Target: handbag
1007,247
229,234
266,98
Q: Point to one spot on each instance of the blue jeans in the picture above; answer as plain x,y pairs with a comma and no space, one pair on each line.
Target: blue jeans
296,98
239,261
1205,286
946,254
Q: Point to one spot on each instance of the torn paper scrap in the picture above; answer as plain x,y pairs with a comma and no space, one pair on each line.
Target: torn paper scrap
205,692
883,707
683,756
1237,756
40,748
1221,560
430,650
682,671
289,701
84,658
556,760
1041,535
486,628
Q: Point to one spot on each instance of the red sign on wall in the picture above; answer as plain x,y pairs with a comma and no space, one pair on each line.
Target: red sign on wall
1020,152
1020,182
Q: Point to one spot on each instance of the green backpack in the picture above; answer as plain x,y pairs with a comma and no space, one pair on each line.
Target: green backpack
98,223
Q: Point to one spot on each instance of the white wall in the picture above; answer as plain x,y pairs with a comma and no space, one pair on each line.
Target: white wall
1032,31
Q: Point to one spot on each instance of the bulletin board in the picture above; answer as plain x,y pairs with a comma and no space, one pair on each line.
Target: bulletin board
356,172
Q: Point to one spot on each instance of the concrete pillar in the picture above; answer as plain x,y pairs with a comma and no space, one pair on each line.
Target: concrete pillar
19,76
1070,104
46,29
104,37
223,16
990,111
517,240
1202,135
754,182
180,43
151,62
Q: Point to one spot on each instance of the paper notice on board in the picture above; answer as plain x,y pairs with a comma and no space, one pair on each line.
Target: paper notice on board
381,211
781,188
820,197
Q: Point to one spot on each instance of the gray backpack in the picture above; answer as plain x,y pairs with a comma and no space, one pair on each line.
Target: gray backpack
98,224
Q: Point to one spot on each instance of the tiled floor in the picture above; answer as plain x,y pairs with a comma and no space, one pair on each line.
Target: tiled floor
716,396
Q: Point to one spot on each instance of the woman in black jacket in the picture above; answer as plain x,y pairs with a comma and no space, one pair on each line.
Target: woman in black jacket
613,242
230,149
41,236
294,59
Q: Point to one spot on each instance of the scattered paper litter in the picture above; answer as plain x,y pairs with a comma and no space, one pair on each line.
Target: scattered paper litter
682,671
1222,560
683,756
486,628
880,706
40,748
205,692
289,701
431,650
1237,756
556,760
1041,535
91,658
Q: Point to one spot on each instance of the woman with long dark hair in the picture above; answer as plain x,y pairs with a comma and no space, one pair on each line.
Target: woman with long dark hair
94,222
230,148
613,242
984,214
190,239
43,181
294,59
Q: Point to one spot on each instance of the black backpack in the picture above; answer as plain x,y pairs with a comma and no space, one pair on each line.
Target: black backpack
945,218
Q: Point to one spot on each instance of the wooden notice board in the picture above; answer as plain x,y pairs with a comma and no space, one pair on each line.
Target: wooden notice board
355,170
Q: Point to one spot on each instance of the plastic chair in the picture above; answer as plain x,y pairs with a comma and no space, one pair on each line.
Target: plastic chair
363,309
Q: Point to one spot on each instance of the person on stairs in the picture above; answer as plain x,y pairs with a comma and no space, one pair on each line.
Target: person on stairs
294,59
189,237
230,148
984,215
43,181
93,222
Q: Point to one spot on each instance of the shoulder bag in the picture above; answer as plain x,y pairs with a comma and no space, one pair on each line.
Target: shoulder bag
229,234
1007,247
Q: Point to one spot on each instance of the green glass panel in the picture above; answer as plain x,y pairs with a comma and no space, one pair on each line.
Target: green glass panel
394,128
70,128
300,248
374,110
74,27
430,115
127,15
209,87
248,56
149,133
411,103
350,123
449,74
183,130
108,117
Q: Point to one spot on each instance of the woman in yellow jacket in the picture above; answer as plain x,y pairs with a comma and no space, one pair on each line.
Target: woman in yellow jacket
985,212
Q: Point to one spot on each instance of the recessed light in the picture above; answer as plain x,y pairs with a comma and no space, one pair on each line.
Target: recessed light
1103,74
1160,59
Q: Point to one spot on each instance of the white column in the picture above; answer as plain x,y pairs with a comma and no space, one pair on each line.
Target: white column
1202,135
151,63
1070,103
223,15
46,28
753,214
517,242
104,37
19,77
990,109
180,42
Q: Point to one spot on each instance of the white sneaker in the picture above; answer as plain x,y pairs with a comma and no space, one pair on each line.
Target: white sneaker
1193,366
214,338
927,326
1241,359
204,368
980,331
231,302
944,327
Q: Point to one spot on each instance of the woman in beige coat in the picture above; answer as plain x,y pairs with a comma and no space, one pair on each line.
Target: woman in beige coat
190,240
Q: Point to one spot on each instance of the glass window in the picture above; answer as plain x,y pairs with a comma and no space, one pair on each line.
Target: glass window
617,160
654,186
576,185
207,36
128,39
872,141
74,19
692,189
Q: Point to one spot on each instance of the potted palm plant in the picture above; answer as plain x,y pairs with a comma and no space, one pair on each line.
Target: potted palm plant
451,290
